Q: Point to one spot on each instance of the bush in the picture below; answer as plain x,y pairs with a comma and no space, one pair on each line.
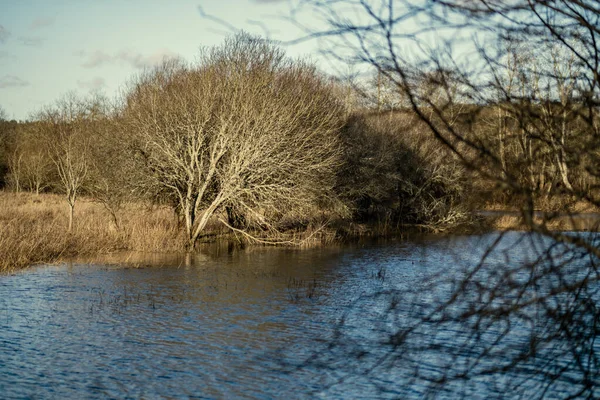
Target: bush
392,171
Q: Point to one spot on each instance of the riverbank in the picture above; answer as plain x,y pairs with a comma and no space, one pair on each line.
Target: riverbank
513,220
557,215
33,229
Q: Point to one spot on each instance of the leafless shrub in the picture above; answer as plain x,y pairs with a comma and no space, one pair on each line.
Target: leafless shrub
29,162
393,171
114,168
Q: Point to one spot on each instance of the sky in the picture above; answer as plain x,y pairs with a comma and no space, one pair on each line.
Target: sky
51,47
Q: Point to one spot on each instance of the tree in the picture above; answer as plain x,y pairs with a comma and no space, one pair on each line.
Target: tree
394,173
15,166
245,130
66,130
551,299
29,161
7,137
114,169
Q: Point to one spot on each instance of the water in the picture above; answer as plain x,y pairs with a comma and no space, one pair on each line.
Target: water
257,323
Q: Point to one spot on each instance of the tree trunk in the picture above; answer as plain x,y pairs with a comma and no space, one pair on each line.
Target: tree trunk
563,170
203,222
562,157
501,141
71,212
189,221
115,219
379,102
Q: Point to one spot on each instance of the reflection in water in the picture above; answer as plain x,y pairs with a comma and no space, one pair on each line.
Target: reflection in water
222,323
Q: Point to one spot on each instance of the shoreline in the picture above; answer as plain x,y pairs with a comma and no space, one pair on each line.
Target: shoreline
33,230
555,221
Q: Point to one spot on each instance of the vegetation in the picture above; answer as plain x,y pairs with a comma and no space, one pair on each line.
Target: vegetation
247,139
268,148
395,172
33,229
246,130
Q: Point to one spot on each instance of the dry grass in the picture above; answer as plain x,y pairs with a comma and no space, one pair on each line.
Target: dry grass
554,204
33,229
576,222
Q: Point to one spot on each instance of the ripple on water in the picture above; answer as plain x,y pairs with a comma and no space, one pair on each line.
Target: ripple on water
258,323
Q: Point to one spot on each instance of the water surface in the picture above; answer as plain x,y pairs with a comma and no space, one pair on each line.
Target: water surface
237,323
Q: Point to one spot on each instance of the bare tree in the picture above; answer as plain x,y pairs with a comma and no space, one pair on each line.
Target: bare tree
113,168
244,129
38,169
7,138
30,163
66,132
559,111
15,166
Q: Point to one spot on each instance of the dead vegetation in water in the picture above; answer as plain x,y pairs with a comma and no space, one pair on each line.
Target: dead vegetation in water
34,229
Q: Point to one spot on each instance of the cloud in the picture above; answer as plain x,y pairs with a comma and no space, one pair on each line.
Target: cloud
94,84
140,61
8,81
124,57
41,22
96,59
35,41
4,34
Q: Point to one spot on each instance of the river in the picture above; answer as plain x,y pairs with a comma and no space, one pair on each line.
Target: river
242,323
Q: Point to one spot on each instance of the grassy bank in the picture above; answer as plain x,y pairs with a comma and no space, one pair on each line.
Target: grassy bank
558,214
33,229
554,222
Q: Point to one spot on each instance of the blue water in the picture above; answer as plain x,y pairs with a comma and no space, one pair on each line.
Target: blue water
355,321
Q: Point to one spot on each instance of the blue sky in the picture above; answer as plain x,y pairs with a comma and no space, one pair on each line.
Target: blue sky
50,47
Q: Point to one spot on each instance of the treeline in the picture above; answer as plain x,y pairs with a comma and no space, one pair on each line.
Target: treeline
529,127
245,136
